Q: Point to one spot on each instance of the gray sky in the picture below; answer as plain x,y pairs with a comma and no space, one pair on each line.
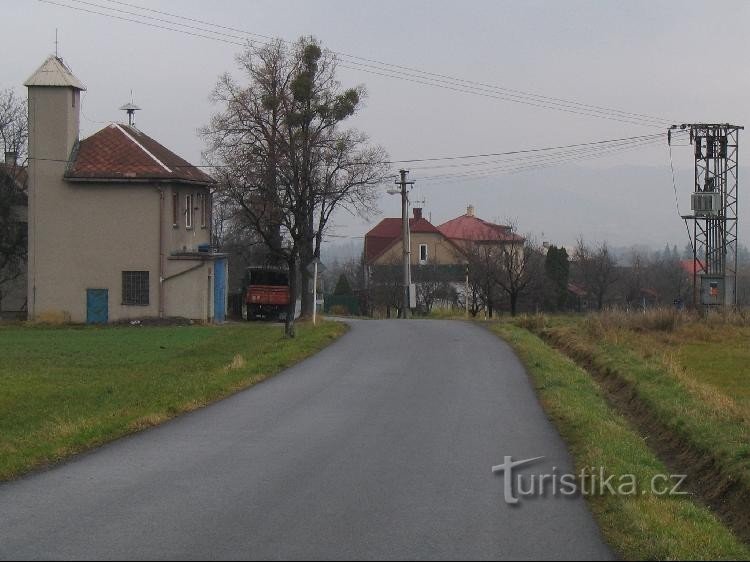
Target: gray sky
646,57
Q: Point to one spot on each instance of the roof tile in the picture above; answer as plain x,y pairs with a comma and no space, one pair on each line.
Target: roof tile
468,228
388,231
122,152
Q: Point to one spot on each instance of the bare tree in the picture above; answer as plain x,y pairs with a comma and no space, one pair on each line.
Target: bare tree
636,278
597,268
518,267
282,158
670,279
351,267
13,124
13,137
481,260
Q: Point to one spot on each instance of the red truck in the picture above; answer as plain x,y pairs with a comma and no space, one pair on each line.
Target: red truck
266,294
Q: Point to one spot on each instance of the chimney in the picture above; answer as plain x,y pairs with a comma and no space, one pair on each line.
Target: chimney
470,211
11,158
417,213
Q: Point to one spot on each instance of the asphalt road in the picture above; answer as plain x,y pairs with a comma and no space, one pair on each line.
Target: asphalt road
379,447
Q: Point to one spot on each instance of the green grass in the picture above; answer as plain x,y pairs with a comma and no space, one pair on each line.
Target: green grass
712,351
65,390
706,416
641,527
724,367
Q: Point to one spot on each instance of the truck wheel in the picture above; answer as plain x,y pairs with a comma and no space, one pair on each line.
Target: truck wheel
252,312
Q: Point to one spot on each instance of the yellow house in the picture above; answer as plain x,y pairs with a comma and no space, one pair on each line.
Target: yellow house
384,244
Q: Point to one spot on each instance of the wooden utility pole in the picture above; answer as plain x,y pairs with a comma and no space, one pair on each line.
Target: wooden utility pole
406,238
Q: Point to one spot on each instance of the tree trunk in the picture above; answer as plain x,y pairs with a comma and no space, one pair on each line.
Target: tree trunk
513,304
307,256
307,295
289,326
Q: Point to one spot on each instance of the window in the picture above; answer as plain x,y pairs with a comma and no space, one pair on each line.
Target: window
135,288
175,209
188,211
423,254
203,200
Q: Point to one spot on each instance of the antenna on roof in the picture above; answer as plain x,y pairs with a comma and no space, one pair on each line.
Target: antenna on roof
130,108
57,56
422,202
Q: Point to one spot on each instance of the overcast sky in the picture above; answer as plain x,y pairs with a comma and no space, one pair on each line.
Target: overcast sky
679,61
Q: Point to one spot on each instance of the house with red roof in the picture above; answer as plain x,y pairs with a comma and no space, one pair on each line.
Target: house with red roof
468,229
438,253
692,267
119,225
429,246
434,258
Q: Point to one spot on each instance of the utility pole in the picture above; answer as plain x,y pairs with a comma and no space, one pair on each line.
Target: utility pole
406,237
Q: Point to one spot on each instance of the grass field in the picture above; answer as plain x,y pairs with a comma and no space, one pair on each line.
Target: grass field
65,390
640,527
715,356
694,419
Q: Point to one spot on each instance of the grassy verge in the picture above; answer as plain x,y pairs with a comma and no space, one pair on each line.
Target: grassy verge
693,427
66,390
641,527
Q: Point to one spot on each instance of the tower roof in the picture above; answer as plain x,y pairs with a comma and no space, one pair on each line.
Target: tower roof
54,72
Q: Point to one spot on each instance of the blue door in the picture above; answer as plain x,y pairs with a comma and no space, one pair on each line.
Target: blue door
97,306
220,290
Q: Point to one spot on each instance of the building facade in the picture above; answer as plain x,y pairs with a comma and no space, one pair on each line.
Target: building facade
430,250
119,226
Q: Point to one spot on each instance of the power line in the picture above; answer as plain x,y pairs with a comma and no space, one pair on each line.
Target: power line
565,155
677,197
380,68
513,99
374,63
530,152
543,163
474,90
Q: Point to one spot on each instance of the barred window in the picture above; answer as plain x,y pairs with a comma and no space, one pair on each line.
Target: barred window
135,288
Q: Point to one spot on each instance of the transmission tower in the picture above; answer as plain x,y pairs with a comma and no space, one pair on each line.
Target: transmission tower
714,207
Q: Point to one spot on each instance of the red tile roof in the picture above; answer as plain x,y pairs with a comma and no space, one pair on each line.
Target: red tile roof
692,266
122,152
388,231
468,228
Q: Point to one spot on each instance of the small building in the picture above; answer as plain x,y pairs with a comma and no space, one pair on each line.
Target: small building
119,225
579,299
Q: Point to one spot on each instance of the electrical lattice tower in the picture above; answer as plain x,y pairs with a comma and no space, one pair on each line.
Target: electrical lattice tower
714,206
